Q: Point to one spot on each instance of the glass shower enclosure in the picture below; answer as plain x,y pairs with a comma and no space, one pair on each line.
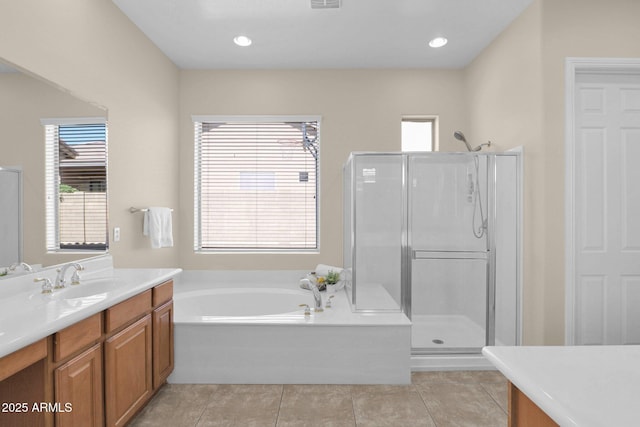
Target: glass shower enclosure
437,236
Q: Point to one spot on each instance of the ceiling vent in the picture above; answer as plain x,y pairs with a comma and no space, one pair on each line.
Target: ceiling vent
325,4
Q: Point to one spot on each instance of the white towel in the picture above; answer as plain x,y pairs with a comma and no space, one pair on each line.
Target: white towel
323,270
157,225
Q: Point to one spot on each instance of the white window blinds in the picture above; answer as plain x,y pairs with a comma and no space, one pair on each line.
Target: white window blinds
256,183
76,181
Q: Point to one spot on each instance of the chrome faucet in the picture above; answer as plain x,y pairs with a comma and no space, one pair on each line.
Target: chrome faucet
75,278
316,296
26,267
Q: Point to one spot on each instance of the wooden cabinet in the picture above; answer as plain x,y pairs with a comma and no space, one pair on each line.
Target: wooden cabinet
128,370
22,385
99,371
78,390
524,413
162,343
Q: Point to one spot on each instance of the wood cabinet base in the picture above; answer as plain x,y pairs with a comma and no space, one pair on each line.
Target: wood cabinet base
97,372
524,413
21,392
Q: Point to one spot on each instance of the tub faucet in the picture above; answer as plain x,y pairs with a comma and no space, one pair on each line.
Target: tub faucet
75,278
316,296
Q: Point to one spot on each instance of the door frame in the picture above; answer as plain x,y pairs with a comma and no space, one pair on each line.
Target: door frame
573,67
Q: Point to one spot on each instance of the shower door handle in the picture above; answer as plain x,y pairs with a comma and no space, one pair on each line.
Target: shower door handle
418,254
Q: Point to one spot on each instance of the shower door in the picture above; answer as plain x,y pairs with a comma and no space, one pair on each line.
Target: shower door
10,216
449,251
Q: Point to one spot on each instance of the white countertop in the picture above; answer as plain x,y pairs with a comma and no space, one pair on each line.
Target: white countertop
27,315
576,385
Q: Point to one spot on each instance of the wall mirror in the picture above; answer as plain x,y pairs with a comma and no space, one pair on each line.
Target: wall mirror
30,108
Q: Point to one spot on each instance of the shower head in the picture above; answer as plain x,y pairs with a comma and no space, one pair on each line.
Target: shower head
460,137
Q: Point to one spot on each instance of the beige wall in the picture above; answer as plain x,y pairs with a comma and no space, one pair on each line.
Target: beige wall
504,91
516,97
91,49
361,111
512,94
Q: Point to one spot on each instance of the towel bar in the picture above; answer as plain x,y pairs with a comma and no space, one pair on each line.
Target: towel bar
134,210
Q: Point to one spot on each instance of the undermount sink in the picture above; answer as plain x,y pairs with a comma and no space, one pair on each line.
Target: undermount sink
86,288
58,303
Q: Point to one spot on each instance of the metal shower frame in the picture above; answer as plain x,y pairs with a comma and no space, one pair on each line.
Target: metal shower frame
408,253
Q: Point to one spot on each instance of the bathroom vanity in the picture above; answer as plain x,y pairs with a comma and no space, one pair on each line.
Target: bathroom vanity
89,356
571,385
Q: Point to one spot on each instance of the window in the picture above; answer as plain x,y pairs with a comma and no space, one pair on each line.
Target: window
418,134
76,184
256,183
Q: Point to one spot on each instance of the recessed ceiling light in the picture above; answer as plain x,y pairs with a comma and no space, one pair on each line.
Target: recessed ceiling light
243,41
438,42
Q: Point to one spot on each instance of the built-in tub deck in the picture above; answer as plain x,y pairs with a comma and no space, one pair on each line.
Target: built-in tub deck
248,328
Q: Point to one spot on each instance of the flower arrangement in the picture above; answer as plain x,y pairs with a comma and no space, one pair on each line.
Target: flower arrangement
331,278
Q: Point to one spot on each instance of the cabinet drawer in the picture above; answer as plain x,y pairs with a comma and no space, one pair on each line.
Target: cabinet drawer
127,311
77,336
162,293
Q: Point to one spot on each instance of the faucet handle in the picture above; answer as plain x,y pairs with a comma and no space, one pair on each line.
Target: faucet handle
328,303
75,278
47,286
307,309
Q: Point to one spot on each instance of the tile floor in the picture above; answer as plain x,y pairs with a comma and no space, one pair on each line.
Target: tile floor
452,398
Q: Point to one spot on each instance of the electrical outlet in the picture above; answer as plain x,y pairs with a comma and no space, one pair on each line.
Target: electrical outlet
116,234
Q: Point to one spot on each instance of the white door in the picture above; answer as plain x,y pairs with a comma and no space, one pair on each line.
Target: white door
607,209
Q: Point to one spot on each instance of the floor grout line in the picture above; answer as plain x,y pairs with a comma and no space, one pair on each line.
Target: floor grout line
492,398
204,408
353,407
279,406
433,420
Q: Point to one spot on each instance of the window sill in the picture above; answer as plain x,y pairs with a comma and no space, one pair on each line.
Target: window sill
256,252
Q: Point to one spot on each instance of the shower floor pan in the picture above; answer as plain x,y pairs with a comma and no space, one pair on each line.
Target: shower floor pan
444,335
446,331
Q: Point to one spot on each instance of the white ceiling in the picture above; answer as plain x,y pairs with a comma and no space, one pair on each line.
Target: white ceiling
198,34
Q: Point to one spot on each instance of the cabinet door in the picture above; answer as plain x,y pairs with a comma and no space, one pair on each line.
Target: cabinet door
78,390
128,373
162,343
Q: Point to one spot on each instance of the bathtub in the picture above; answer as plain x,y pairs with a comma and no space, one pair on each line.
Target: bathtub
239,303
249,328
